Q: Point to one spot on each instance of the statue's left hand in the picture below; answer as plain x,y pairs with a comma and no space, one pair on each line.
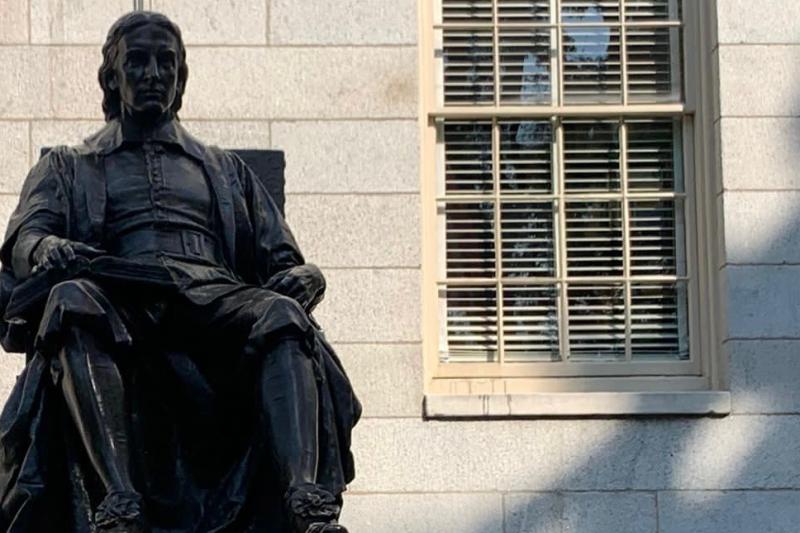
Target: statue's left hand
303,283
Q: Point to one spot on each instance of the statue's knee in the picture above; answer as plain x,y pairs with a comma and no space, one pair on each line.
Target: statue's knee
283,317
70,292
289,306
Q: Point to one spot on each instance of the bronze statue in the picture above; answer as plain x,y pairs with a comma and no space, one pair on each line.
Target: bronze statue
175,378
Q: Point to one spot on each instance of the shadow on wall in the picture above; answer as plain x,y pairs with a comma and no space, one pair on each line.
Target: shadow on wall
667,476
738,474
633,475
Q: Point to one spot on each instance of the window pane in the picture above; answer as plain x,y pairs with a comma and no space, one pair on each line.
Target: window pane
592,65
528,239
468,157
589,11
520,11
468,67
650,10
530,323
460,11
469,229
655,236
501,227
654,64
525,66
659,322
652,149
591,156
526,157
597,322
594,238
471,317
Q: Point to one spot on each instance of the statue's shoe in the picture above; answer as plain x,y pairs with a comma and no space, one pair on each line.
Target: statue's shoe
121,512
312,509
318,527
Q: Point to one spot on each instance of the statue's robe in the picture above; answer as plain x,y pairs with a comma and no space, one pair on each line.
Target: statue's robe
199,452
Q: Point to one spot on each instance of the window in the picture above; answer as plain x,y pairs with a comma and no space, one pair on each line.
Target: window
565,194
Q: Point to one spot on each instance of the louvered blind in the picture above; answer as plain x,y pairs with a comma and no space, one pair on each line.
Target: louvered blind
652,10
563,237
502,51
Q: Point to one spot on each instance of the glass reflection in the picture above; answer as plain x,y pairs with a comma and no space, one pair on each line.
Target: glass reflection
586,45
525,66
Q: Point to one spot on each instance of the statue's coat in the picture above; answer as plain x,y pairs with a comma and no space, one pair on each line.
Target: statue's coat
205,463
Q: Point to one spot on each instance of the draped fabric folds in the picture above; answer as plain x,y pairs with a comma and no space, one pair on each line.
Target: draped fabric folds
198,443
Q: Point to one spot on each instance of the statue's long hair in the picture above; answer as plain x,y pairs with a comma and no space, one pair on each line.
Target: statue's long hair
112,107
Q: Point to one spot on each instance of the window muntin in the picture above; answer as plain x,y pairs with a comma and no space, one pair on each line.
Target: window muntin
561,200
509,52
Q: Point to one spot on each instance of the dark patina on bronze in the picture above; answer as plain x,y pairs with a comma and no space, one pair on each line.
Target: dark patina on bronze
175,378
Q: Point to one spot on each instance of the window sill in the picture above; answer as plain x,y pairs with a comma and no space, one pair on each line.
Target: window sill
577,404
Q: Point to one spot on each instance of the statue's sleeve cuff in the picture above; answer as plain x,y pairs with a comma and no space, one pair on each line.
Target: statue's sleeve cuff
22,255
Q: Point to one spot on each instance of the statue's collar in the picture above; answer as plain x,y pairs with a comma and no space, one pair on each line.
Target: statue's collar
111,136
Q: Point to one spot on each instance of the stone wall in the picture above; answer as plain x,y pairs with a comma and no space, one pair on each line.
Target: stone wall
333,83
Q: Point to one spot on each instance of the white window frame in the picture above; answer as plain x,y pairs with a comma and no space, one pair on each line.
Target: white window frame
544,389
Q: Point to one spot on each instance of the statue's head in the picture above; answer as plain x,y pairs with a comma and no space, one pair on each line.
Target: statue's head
144,68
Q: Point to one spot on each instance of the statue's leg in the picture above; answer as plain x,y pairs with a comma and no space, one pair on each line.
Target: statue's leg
275,331
94,393
78,322
289,401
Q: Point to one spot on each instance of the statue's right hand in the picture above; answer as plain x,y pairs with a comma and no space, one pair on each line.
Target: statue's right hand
55,252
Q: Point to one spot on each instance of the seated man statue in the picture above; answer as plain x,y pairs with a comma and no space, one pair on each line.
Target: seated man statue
175,379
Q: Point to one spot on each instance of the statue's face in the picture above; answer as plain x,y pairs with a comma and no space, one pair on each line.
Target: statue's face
146,72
